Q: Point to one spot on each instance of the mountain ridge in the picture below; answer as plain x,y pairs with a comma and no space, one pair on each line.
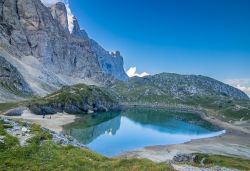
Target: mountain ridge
36,39
177,86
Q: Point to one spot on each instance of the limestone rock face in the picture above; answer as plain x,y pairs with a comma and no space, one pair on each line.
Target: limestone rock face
80,33
11,80
28,28
111,63
59,13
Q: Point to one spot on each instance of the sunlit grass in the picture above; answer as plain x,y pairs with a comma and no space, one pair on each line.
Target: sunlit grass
224,161
42,154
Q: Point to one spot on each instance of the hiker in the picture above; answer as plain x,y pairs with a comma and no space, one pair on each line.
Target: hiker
43,114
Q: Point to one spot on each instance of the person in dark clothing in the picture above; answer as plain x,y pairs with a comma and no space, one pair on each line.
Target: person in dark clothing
43,114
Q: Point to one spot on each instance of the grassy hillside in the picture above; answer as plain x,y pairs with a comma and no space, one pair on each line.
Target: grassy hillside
224,161
74,99
195,91
43,154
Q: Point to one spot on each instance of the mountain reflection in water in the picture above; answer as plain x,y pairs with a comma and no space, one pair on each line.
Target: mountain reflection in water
114,132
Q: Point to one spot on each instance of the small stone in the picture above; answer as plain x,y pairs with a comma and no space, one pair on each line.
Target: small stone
2,139
24,129
90,111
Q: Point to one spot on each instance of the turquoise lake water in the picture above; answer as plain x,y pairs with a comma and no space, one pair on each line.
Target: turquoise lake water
113,133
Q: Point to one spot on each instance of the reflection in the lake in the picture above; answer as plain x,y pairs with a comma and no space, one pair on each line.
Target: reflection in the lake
113,133
88,128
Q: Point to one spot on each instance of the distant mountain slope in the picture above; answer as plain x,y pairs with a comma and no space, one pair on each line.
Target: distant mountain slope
176,86
30,30
196,91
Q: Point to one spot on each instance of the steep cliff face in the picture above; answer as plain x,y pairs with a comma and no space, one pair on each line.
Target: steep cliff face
46,37
28,28
12,82
111,63
59,13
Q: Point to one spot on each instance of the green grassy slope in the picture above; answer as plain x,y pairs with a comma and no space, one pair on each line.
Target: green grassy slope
195,91
46,155
224,161
74,99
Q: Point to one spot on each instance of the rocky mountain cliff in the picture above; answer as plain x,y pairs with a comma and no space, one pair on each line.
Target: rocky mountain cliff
12,84
41,51
36,40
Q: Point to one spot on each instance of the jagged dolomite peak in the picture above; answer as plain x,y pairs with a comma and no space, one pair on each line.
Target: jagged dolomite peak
31,30
110,62
70,16
59,13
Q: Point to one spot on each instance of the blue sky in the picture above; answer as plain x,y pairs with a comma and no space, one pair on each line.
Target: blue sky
208,37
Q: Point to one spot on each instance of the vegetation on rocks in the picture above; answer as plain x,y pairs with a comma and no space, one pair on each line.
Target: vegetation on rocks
42,154
224,161
75,99
6,106
186,91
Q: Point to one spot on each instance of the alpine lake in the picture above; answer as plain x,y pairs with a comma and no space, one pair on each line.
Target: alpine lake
113,133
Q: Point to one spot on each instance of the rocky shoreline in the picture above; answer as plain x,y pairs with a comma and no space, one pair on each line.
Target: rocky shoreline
22,130
232,143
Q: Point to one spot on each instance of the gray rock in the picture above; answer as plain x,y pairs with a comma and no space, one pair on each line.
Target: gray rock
2,139
30,28
15,112
178,87
183,158
78,99
11,80
59,13
111,63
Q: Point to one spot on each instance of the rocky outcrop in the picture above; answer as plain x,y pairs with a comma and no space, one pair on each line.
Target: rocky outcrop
110,62
11,80
28,28
75,99
59,13
23,132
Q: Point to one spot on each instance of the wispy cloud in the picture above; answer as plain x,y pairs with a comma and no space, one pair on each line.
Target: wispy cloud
132,73
69,12
51,2
242,84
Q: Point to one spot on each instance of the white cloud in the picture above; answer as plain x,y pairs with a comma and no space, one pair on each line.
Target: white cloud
51,2
132,72
242,84
69,12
